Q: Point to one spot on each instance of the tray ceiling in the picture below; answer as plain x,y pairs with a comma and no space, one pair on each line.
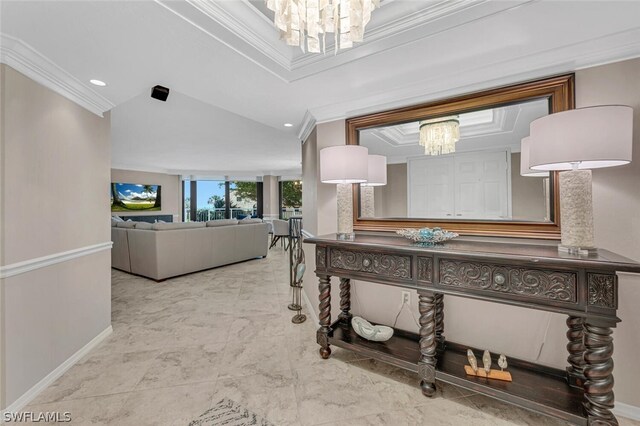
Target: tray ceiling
226,57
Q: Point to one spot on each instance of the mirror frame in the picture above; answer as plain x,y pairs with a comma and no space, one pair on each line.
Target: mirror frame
558,90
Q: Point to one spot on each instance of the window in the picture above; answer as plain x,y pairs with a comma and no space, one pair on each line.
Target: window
290,198
205,200
243,199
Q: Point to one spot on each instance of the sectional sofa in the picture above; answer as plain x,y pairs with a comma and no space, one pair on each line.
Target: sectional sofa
164,250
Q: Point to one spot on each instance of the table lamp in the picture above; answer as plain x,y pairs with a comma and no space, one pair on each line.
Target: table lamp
376,176
344,165
580,140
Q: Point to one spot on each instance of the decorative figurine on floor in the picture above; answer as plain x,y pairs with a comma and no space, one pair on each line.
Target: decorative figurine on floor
502,362
473,362
366,330
486,361
486,372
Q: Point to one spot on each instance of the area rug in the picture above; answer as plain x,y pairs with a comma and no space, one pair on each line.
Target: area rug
229,413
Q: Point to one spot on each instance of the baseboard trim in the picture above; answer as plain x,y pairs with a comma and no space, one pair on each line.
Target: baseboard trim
625,410
312,312
32,393
51,259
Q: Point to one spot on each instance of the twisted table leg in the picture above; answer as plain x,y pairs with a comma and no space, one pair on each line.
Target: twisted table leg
598,389
345,299
325,316
427,363
575,347
439,318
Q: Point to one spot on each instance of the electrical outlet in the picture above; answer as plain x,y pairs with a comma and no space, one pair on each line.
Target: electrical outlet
406,297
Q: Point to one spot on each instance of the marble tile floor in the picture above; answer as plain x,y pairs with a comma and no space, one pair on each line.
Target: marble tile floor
181,345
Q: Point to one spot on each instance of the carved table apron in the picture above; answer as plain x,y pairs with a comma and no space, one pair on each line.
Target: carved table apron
527,275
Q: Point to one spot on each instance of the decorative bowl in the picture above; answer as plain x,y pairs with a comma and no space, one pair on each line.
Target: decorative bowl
427,236
366,330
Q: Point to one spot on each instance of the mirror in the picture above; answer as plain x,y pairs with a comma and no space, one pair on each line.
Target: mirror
457,164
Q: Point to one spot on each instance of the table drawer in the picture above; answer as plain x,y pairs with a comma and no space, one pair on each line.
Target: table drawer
558,286
379,264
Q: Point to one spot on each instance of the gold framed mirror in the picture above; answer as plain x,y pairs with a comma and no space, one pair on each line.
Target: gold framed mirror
473,185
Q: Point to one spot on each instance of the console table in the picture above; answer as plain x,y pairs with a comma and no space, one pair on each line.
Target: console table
525,275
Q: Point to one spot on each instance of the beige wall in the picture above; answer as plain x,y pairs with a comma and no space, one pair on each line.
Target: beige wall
518,332
391,199
54,171
171,191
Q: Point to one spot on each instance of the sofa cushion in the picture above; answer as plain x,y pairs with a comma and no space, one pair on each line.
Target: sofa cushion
117,218
249,220
144,225
222,222
128,224
177,225
114,222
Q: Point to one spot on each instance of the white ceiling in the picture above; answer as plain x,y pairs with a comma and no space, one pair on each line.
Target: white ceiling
234,83
502,127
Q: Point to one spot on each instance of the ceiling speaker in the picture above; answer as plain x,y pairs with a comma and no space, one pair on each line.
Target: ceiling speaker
160,93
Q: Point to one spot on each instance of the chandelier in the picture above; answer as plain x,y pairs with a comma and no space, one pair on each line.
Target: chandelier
307,21
439,135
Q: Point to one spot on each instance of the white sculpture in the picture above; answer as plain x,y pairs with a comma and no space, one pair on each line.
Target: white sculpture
502,362
375,333
473,362
486,361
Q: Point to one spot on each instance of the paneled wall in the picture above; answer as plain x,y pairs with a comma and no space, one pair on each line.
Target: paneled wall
54,243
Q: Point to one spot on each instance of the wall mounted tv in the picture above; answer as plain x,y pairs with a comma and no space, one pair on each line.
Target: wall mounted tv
130,197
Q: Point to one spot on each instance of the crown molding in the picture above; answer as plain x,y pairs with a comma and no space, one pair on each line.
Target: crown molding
569,58
306,127
237,26
28,61
241,27
396,27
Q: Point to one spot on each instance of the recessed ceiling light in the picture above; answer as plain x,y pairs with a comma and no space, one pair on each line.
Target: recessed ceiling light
288,125
98,83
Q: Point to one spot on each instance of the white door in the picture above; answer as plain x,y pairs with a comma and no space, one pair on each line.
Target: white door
482,185
431,187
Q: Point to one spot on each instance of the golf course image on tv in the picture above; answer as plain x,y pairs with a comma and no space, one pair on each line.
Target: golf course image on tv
126,197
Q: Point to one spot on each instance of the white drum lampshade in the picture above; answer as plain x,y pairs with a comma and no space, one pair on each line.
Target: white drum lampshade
580,140
344,165
525,164
376,171
588,138
377,177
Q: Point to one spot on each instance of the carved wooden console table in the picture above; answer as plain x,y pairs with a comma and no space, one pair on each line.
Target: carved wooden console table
525,275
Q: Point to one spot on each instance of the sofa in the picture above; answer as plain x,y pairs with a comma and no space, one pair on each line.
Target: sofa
163,250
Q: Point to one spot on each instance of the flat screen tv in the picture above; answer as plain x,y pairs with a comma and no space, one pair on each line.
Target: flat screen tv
129,197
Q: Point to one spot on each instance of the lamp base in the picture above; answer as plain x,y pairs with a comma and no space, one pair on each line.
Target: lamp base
578,251
576,210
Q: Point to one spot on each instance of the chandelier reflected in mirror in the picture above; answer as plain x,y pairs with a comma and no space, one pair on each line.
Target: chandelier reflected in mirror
305,23
439,135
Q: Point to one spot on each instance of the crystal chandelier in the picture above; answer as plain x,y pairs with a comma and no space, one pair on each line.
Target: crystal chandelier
439,135
307,21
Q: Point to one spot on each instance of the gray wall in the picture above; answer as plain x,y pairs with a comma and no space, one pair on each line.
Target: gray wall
517,332
527,194
54,176
171,191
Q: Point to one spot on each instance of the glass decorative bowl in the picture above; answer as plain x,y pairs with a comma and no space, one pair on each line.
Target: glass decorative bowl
427,236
